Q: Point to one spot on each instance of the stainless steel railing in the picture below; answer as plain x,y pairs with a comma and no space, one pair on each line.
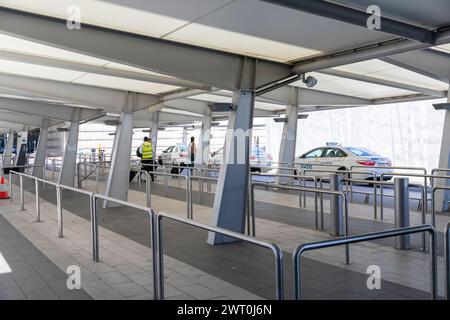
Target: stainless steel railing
278,253
59,211
320,191
447,260
367,237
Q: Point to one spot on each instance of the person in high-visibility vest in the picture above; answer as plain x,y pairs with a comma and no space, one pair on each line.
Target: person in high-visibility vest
145,151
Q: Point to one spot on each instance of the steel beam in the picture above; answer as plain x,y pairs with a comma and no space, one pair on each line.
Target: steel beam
384,82
29,120
68,169
15,126
119,173
102,70
230,200
358,18
314,97
443,197
430,63
100,98
207,66
46,110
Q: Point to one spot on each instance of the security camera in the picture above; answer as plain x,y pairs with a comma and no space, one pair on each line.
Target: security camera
310,81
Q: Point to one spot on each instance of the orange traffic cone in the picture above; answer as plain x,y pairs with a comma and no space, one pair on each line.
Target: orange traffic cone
3,193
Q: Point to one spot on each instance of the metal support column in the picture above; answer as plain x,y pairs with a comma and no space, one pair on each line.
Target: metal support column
204,139
21,148
336,207
289,136
41,152
154,132
401,211
185,139
119,174
232,186
7,156
443,196
69,165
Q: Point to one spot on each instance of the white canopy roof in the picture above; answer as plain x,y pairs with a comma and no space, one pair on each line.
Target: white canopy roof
211,37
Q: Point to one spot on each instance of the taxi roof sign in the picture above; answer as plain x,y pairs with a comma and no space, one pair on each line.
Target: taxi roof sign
333,144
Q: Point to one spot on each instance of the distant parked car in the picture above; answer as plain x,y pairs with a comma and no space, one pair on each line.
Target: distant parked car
344,158
258,158
176,155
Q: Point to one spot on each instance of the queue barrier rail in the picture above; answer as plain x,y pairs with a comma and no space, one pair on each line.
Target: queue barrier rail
278,253
320,191
363,238
447,260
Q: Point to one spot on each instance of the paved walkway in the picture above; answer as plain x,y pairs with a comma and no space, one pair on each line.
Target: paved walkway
26,273
326,277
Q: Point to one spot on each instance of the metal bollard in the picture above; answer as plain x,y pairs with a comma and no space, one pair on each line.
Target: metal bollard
10,187
401,211
148,189
22,194
38,206
59,211
97,178
336,208
94,228
54,168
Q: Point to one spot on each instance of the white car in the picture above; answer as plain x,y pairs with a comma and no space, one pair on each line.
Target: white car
258,158
176,155
344,158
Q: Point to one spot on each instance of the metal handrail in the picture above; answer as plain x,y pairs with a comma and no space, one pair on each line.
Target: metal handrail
447,260
278,253
201,180
414,185
433,206
189,203
424,170
151,214
331,192
59,212
368,237
347,185
294,176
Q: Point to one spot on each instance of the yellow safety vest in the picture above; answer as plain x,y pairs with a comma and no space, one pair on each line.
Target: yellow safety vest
147,150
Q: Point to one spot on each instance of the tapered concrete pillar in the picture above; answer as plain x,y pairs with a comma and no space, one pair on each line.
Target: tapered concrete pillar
154,131
289,136
443,197
41,151
67,175
7,156
231,194
204,139
119,173
21,148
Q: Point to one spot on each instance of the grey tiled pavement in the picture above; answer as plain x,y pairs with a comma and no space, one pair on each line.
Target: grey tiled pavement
33,275
239,264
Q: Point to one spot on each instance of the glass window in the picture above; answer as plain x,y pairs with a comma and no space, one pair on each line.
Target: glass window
314,154
182,147
362,152
334,153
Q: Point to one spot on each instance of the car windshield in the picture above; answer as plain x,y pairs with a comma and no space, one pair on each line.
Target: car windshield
362,152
